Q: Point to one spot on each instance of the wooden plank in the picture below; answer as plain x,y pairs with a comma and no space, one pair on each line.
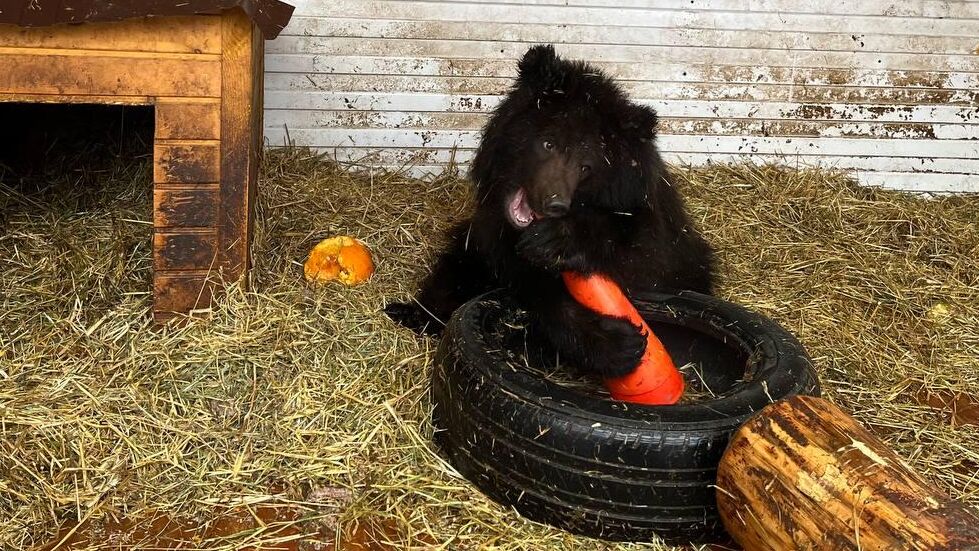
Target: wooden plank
924,182
693,53
944,114
13,50
276,118
279,119
386,138
400,157
859,163
810,111
913,8
873,40
953,149
921,182
931,183
188,121
77,98
241,88
658,71
257,127
818,128
108,74
647,17
185,207
186,163
178,34
185,249
639,89
180,293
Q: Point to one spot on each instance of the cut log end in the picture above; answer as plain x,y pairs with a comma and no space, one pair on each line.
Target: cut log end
804,475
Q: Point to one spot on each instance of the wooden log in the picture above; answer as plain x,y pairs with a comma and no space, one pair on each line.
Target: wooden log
802,474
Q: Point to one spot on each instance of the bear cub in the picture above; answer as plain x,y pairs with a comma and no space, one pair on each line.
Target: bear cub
567,177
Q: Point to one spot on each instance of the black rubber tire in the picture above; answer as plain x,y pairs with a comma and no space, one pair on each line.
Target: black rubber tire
595,466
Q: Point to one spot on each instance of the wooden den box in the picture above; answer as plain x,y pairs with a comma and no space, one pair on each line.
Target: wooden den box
199,64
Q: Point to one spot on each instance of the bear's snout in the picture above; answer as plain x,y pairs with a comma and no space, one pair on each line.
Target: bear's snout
553,186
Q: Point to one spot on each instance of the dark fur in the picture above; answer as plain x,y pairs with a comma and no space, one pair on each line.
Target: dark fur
625,219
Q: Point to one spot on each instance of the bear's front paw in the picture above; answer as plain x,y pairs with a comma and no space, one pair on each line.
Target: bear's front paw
547,244
619,347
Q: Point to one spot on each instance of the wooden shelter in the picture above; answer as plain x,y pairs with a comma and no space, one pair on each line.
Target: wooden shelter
200,65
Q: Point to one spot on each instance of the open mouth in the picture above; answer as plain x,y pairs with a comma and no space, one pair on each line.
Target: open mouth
519,211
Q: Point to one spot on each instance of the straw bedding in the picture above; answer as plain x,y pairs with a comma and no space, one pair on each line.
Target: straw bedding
308,397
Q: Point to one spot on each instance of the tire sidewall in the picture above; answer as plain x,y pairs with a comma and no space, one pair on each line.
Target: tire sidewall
487,414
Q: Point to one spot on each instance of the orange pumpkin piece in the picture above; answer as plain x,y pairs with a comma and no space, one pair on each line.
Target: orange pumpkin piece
339,258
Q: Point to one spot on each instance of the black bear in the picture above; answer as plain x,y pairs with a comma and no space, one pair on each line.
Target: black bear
567,177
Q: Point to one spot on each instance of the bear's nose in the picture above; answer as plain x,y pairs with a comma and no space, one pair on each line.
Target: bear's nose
557,206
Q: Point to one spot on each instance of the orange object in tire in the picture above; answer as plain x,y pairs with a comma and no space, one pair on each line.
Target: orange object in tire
655,381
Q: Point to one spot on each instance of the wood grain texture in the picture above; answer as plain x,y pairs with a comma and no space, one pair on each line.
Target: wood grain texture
184,250
179,34
180,293
107,74
188,120
77,98
802,474
176,208
241,79
257,127
186,163
268,15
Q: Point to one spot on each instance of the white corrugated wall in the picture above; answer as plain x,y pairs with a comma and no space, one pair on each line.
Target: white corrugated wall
887,88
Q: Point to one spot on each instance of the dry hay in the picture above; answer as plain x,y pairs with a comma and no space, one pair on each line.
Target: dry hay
310,397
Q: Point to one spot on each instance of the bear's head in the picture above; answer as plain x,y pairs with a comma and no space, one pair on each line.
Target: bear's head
565,137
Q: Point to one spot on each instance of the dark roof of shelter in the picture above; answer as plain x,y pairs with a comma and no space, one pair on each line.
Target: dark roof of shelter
269,15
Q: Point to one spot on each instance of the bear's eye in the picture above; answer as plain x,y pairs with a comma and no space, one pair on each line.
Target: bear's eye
548,145
585,169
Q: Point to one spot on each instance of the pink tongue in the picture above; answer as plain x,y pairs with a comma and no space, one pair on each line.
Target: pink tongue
520,211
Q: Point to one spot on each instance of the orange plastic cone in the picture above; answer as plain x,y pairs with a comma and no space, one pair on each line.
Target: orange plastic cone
656,381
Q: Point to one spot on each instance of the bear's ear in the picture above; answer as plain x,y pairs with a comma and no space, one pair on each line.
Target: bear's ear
539,68
639,121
